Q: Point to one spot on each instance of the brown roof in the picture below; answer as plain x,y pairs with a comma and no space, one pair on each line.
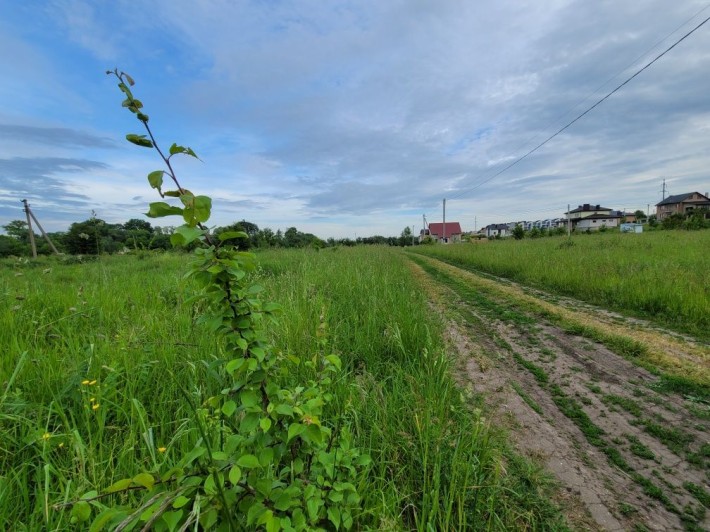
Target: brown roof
452,228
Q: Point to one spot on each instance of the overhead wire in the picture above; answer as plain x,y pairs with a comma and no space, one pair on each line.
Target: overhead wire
584,113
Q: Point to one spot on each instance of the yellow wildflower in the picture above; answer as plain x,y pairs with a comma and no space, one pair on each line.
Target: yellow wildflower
92,383
162,449
46,436
92,399
85,382
95,406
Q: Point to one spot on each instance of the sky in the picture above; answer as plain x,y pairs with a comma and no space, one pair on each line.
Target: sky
353,118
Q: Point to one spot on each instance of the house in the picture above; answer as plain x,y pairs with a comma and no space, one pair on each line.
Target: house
444,232
586,210
682,204
495,230
593,217
596,222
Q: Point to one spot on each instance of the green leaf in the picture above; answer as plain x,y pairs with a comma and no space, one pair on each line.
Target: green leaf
234,364
172,193
185,234
104,518
180,501
119,486
172,519
334,516
283,502
335,360
228,235
156,179
254,512
313,505
159,209
249,422
235,474
193,455
265,424
248,461
139,140
266,456
294,430
144,479
273,523
210,485
284,409
229,408
176,149
249,398
203,208
80,512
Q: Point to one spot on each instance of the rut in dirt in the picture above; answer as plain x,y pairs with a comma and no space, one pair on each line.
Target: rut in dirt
632,455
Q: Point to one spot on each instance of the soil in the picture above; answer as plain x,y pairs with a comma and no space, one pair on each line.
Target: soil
660,439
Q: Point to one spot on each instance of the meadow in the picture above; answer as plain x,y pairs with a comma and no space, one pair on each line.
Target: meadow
663,276
102,359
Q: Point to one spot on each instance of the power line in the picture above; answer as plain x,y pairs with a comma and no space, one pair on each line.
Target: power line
599,102
629,65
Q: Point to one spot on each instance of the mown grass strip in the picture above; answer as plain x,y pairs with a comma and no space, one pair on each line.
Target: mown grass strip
675,375
645,275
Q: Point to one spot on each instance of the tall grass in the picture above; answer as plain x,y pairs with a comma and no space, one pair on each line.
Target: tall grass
96,356
664,276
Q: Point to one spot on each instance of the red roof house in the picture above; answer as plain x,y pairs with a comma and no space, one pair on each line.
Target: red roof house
450,233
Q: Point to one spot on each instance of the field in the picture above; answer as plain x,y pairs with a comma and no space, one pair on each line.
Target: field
100,359
615,406
663,275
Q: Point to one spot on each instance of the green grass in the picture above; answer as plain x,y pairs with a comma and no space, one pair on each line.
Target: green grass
660,275
123,323
525,397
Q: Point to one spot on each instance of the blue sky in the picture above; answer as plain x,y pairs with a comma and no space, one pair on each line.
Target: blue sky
353,118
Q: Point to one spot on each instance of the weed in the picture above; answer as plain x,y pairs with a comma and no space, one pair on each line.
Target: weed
525,397
639,449
631,406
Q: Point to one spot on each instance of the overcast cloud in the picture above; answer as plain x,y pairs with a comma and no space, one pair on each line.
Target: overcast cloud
344,118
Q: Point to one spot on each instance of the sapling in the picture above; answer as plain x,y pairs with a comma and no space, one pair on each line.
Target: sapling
265,458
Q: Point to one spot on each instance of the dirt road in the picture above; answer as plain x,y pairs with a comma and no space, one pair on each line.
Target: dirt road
628,451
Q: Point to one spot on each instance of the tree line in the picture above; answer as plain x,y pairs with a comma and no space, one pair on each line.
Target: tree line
95,236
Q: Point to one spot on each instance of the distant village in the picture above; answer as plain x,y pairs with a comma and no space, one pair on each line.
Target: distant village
585,218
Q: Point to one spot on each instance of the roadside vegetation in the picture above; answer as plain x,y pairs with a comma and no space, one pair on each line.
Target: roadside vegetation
97,353
663,276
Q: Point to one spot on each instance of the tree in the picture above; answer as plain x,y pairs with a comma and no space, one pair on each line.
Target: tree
11,246
17,229
518,232
87,237
640,215
405,238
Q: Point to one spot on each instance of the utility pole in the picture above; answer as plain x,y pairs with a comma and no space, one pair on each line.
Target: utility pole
443,237
569,223
474,224
663,190
29,214
29,228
